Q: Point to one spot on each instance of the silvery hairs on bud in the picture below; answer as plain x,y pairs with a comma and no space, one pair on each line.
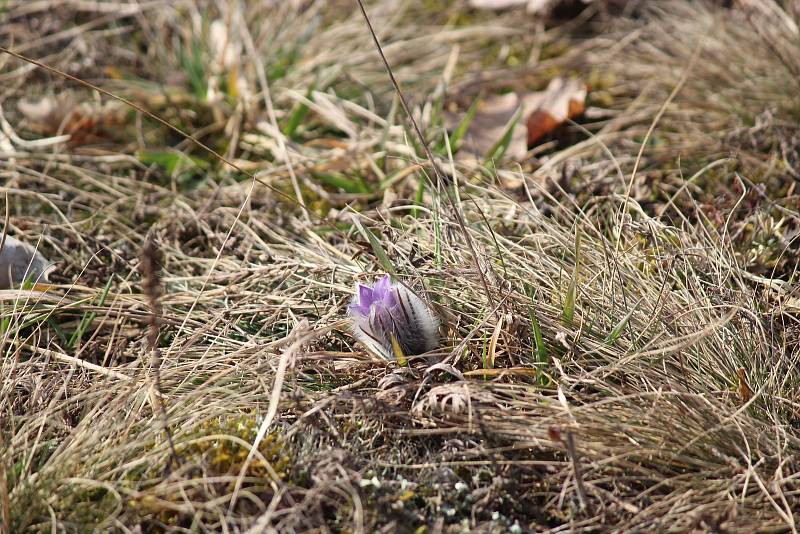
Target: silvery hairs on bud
392,321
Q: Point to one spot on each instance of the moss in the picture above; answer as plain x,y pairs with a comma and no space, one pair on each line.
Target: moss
212,457
226,456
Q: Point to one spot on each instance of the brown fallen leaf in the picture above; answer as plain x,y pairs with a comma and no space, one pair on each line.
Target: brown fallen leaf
790,305
541,8
505,371
496,4
541,112
745,393
46,110
84,122
491,120
488,126
20,261
561,101
531,6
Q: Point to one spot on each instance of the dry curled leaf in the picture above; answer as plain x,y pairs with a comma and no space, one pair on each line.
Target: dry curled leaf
446,367
790,305
225,50
398,377
42,111
19,262
542,8
561,101
496,4
452,399
531,6
541,113
745,393
491,121
83,122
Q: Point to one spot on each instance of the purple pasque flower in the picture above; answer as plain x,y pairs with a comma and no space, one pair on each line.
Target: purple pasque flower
392,321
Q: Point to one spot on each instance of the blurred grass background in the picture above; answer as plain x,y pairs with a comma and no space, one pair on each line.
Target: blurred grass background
619,352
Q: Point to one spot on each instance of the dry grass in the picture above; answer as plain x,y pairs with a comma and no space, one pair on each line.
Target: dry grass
663,396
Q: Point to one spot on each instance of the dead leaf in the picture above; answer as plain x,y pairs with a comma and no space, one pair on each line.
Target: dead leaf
496,4
40,111
790,305
491,120
446,367
504,371
541,112
531,6
446,399
20,261
396,378
225,51
745,393
83,122
561,101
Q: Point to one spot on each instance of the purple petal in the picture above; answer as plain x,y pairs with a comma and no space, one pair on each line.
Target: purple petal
382,287
384,292
357,310
366,296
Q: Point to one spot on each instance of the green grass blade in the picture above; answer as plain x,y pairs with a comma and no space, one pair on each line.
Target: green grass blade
540,353
57,329
612,337
297,116
88,318
460,131
572,291
172,161
339,181
499,149
295,119
193,63
540,348
377,248
420,195
463,126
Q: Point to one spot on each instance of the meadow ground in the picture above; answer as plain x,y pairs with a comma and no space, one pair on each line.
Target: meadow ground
619,312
